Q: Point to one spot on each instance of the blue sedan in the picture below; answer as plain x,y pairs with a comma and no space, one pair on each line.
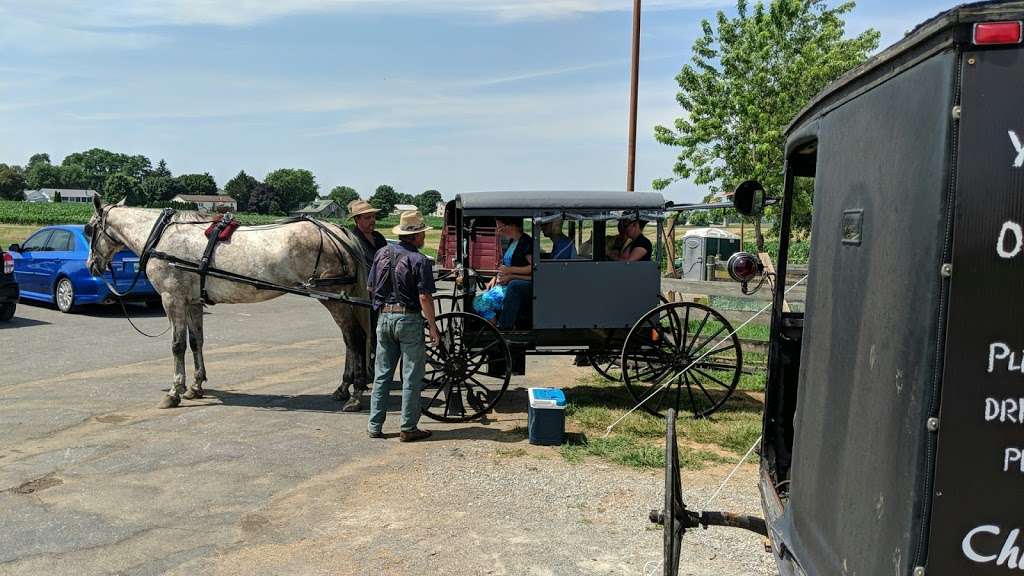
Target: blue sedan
50,267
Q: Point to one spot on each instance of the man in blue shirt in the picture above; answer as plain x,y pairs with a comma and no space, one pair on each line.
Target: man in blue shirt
401,285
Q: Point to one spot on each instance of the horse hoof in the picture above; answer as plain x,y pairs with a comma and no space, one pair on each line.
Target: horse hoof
170,402
193,394
341,395
353,405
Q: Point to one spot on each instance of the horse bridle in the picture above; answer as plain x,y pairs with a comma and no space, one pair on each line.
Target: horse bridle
147,250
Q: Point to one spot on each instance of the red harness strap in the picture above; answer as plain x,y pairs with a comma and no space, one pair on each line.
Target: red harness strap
228,230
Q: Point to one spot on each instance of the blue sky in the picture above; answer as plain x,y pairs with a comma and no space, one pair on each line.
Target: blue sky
456,95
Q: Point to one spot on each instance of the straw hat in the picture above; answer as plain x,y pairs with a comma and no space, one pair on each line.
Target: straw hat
359,206
410,223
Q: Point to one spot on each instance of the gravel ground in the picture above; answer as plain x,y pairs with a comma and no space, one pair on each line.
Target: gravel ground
264,476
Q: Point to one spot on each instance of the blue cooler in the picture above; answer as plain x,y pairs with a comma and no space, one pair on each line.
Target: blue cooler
546,416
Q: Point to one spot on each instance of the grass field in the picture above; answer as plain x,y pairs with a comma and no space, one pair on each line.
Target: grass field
638,441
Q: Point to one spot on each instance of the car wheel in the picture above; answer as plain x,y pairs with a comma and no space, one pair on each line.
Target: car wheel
7,311
64,295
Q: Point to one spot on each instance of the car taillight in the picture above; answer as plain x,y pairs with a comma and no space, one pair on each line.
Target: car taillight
996,33
8,263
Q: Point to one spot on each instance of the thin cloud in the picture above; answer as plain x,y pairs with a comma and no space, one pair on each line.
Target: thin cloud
143,13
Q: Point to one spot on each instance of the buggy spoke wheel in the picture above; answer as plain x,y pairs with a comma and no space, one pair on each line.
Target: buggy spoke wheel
446,303
606,361
682,345
467,375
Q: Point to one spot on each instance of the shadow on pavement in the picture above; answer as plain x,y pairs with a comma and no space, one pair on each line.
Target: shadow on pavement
17,322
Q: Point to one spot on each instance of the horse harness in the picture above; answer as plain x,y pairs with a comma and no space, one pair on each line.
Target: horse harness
204,267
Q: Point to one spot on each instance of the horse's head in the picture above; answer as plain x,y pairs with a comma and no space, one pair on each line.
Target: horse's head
103,243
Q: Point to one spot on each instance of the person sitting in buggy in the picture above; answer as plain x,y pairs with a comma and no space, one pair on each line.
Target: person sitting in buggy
637,246
512,286
562,247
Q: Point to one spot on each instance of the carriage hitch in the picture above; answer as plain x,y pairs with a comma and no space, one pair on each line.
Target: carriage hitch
690,519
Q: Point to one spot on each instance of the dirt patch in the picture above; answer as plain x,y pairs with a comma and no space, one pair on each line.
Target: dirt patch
113,418
38,485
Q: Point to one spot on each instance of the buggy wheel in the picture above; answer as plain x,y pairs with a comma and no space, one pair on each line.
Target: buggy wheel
673,516
681,356
446,303
467,371
604,363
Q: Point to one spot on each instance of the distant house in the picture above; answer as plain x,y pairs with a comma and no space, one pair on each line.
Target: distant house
322,208
399,208
439,209
209,203
66,195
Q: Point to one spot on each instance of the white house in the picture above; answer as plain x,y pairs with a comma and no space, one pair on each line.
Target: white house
66,195
208,203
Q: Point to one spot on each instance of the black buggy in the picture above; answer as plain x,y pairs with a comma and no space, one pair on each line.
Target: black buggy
591,306
893,432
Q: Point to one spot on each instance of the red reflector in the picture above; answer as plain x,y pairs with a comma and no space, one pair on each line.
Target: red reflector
989,33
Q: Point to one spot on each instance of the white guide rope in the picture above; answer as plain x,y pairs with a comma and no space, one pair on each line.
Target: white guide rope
668,381
731,474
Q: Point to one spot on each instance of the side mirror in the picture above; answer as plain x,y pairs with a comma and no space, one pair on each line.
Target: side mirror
14,248
749,198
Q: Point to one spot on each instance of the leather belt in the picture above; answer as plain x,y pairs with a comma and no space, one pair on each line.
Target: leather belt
397,309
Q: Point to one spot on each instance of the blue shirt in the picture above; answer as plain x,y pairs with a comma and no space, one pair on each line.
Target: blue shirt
413,273
563,249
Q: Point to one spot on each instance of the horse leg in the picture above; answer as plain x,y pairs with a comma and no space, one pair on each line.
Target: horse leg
195,342
179,331
354,376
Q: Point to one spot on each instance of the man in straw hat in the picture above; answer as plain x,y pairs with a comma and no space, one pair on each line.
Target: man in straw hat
364,226
401,285
364,218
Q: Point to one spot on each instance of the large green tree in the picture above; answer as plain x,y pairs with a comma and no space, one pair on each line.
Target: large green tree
343,195
427,201
384,199
294,187
43,175
12,182
241,188
122,186
749,75
197,184
264,200
98,164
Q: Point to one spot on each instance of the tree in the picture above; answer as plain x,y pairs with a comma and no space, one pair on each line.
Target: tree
160,189
57,197
43,175
74,177
12,183
748,77
295,187
36,159
98,164
384,199
343,195
241,188
264,200
698,218
161,170
427,201
121,185
197,184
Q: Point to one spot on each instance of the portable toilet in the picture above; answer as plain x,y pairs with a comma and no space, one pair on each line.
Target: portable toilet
701,244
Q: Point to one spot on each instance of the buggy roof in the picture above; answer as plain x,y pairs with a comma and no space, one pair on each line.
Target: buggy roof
939,31
567,200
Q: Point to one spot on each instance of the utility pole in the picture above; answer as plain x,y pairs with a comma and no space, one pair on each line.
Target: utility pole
634,80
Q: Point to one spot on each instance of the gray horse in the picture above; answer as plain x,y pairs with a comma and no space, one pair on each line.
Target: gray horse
282,254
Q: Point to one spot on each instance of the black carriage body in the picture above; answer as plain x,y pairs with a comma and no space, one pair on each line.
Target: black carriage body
576,303
893,436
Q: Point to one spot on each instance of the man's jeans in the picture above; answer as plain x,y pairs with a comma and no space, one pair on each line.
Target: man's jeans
398,336
516,292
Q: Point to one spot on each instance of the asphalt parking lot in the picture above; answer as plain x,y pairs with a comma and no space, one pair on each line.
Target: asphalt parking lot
266,476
